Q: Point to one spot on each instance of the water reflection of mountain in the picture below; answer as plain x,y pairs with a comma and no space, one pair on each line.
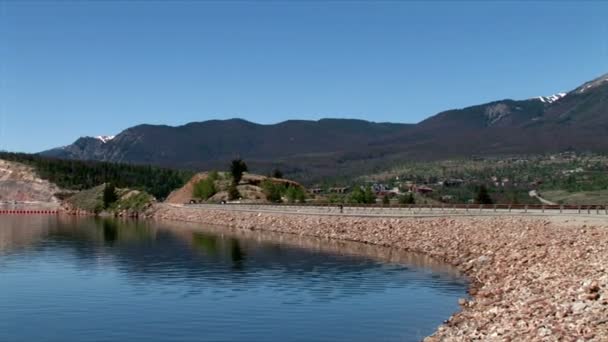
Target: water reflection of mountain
217,258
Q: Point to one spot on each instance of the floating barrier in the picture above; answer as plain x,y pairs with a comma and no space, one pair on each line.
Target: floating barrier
28,212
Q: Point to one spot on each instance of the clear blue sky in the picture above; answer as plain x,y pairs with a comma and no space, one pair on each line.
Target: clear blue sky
71,69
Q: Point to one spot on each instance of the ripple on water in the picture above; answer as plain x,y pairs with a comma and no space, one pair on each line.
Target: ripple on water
91,280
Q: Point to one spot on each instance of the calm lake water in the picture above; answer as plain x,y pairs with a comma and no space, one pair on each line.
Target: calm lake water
70,279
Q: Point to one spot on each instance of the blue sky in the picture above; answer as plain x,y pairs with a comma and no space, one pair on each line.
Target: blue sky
69,69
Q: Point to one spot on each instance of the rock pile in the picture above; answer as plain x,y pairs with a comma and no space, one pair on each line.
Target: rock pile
20,183
531,280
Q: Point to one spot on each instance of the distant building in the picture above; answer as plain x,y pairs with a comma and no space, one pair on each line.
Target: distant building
380,188
339,190
453,182
447,198
573,171
422,189
395,190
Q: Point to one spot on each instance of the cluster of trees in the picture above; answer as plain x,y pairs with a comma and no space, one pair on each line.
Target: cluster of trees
275,192
206,188
361,196
80,175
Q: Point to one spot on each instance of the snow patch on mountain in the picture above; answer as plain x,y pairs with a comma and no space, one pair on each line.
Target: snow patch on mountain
591,84
551,98
105,138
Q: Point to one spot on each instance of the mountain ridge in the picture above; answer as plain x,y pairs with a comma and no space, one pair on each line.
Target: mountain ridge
577,120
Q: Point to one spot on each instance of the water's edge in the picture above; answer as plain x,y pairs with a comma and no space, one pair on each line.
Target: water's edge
171,265
278,224
530,278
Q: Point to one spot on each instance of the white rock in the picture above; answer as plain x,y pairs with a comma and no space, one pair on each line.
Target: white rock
578,307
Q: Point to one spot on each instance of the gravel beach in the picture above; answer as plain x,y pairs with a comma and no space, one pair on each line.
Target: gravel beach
532,279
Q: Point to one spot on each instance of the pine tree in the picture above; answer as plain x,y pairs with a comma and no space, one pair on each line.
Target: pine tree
233,192
109,195
276,173
482,196
237,167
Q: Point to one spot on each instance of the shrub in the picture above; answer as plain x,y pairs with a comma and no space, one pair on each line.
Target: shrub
295,194
204,188
272,191
277,173
362,196
213,176
407,199
386,200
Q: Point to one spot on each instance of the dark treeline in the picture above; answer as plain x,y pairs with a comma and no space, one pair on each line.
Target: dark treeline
79,175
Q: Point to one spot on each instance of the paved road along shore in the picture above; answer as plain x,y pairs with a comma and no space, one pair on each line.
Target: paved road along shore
533,278
417,211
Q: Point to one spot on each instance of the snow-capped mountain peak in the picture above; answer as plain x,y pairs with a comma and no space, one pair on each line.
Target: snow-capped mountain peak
551,98
104,138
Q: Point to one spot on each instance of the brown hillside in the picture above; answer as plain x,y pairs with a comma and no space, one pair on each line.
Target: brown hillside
184,194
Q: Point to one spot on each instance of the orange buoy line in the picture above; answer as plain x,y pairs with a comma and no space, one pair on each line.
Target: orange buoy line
29,212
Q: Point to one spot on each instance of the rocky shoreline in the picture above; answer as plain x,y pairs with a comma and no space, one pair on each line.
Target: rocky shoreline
532,279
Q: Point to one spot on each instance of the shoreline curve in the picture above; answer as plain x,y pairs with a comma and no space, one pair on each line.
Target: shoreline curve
532,279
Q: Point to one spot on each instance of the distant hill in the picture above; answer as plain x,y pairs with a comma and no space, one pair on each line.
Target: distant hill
309,150
212,144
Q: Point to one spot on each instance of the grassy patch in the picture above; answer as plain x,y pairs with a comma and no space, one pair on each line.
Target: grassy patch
92,200
582,197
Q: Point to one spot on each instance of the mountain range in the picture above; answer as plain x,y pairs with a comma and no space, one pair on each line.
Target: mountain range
309,150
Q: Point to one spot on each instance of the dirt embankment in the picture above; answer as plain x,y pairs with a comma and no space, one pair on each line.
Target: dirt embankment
532,279
184,194
20,183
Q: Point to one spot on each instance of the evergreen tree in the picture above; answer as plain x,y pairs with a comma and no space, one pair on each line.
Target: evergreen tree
80,175
233,192
276,173
237,167
109,195
483,197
